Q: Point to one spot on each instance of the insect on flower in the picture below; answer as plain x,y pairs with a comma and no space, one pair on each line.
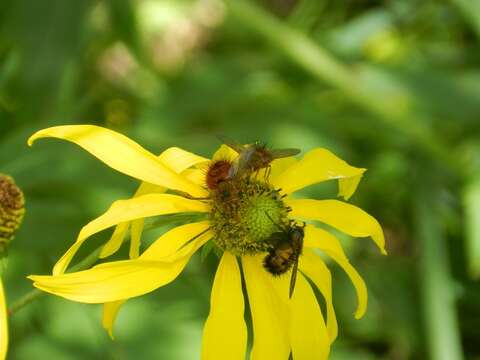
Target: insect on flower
218,172
250,221
287,246
254,157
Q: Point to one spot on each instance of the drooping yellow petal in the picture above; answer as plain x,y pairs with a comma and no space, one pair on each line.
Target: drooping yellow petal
308,333
269,313
316,166
225,331
122,154
343,216
169,243
225,153
121,280
174,241
313,267
126,210
110,312
3,324
136,237
111,282
178,159
347,186
329,244
116,240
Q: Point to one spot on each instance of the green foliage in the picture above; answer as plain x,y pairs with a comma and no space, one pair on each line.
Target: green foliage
391,86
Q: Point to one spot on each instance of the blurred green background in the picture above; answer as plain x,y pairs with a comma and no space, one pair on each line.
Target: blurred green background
393,86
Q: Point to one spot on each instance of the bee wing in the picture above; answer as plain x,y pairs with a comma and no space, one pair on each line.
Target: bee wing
282,153
231,143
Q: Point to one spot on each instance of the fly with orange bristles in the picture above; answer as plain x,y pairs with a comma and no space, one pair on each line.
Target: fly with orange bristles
254,157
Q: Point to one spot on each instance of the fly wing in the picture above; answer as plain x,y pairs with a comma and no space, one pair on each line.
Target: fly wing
282,153
242,163
298,245
293,278
231,143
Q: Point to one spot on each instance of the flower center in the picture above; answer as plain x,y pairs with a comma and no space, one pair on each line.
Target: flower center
244,215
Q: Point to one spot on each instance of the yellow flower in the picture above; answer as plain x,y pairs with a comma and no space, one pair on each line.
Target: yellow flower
281,325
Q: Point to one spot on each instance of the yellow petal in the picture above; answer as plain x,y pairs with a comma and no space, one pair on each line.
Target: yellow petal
169,243
316,166
136,237
345,217
120,280
110,312
178,159
225,153
3,324
118,236
314,268
347,186
269,313
122,154
225,331
308,333
126,210
174,241
329,244
116,240
281,165
196,176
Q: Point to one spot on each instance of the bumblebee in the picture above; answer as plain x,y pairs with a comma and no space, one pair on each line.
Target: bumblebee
287,246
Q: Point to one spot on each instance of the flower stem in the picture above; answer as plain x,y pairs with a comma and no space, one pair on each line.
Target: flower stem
25,300
34,294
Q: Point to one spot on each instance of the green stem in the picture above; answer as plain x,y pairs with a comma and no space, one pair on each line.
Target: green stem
34,294
25,300
436,283
314,59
